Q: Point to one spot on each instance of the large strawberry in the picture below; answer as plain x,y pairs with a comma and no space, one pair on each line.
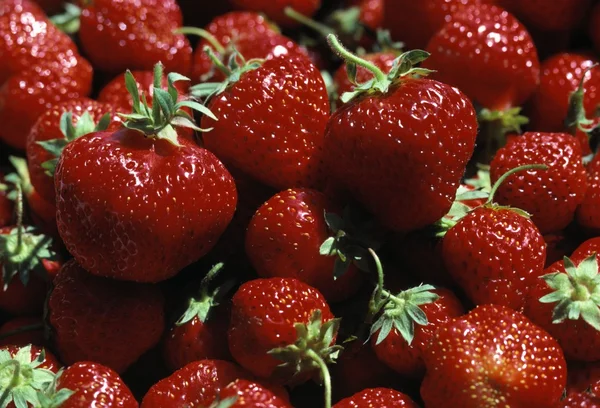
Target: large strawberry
550,196
36,71
401,133
275,10
377,397
565,302
588,212
493,357
141,203
271,121
103,320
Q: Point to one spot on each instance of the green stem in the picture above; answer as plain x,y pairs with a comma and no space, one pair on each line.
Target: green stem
325,373
347,56
322,29
509,173
22,329
214,271
205,35
13,382
19,218
380,277
158,75
215,60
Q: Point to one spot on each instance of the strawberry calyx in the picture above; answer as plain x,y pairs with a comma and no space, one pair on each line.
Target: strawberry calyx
21,377
166,113
20,177
85,125
495,126
312,350
576,115
576,292
50,397
70,21
403,67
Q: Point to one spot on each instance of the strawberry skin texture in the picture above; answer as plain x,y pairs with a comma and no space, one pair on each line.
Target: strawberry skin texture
377,397
134,34
47,127
36,71
485,52
588,213
407,359
274,9
493,357
107,321
555,15
417,138
272,123
560,76
95,386
252,395
132,208
494,255
551,196
578,339
284,237
258,324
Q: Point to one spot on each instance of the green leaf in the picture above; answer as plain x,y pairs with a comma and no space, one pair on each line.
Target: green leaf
334,221
132,88
198,107
103,123
166,105
327,248
591,314
54,146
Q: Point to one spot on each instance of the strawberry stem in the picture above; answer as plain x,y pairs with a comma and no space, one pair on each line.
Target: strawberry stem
509,173
347,56
205,35
19,209
216,61
324,372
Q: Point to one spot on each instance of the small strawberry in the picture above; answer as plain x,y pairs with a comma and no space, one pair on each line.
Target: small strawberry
377,397
380,143
550,196
493,357
98,319
275,10
555,15
565,303
21,331
36,71
142,203
588,212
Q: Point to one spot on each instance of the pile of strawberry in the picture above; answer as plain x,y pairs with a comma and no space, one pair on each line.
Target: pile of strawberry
299,203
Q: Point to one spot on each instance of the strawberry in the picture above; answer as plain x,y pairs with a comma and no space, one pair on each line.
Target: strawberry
275,10
244,393
564,302
588,212
580,400
495,253
197,384
88,384
402,349
437,132
556,15
551,196
371,12
103,320
53,131
21,331
256,119
377,397
142,203
284,238
485,52
493,356
559,77
36,71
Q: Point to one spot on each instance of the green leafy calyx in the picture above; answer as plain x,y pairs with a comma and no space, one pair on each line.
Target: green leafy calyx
69,21
576,115
510,120
201,306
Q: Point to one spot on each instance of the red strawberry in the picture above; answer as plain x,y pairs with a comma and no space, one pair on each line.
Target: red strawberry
142,203
564,302
103,320
560,76
550,196
299,329
402,347
555,15
36,71
275,9
372,12
244,393
282,125
588,213
21,331
88,384
284,238
53,131
377,397
134,34
496,357
580,400
379,145
485,52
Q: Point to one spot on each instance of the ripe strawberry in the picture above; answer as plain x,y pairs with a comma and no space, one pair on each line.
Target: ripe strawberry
21,331
556,15
284,238
377,397
36,71
302,333
496,357
107,321
564,303
196,384
559,77
53,131
282,125
88,384
485,52
372,12
244,393
550,196
403,125
142,203
580,400
402,348
134,34
275,9
588,212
